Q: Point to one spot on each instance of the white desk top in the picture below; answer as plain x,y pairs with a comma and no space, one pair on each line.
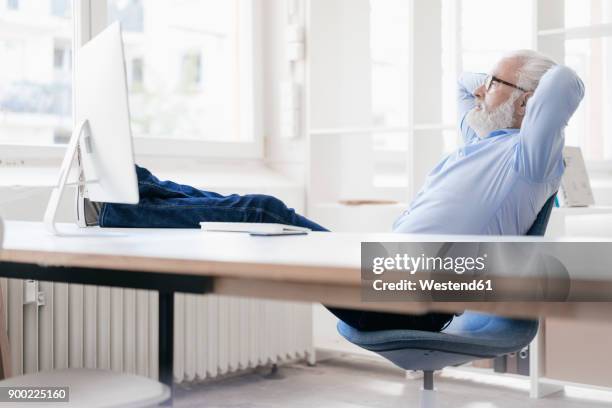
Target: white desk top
315,249
590,210
191,244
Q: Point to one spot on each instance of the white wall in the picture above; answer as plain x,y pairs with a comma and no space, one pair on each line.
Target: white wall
340,64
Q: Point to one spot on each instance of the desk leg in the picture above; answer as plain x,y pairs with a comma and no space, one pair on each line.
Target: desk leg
166,341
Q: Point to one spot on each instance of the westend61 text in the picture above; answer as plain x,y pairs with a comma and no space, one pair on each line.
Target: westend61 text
433,285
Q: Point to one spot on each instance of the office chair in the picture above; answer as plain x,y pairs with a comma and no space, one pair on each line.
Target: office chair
468,337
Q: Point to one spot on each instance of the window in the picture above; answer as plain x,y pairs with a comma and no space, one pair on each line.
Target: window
62,58
12,4
58,58
389,53
191,71
416,51
137,79
468,42
189,64
580,13
589,52
576,32
35,83
484,40
389,50
479,43
129,12
61,8
191,68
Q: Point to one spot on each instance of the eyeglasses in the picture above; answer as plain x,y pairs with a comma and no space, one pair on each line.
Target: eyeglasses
492,78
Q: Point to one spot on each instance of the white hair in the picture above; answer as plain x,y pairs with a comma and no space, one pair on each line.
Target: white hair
533,66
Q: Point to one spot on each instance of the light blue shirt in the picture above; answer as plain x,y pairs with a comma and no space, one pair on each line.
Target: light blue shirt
497,185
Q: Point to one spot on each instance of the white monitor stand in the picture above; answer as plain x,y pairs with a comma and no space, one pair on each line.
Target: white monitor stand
81,132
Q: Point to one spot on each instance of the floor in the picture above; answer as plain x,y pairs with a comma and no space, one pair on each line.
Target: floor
354,381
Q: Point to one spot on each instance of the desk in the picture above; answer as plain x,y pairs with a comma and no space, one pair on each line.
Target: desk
557,225
320,267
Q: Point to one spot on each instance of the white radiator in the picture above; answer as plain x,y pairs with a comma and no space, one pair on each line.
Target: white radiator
100,327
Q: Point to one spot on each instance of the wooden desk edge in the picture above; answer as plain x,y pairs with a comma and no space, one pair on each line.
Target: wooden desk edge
301,283
268,272
350,297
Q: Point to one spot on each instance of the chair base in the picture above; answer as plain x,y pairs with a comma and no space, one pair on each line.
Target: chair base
428,398
425,360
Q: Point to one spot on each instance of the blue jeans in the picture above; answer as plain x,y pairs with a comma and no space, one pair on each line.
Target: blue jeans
165,204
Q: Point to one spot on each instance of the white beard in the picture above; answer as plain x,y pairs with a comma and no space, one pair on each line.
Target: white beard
484,122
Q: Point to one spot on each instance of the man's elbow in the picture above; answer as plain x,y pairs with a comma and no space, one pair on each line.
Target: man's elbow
567,81
573,82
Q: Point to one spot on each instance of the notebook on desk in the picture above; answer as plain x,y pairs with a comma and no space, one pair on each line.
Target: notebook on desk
254,228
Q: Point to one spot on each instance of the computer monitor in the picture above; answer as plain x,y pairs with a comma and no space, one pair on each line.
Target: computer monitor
102,135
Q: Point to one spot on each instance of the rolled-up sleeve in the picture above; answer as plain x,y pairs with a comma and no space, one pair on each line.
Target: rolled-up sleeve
540,150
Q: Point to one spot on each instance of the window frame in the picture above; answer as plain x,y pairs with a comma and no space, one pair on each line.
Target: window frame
550,33
90,17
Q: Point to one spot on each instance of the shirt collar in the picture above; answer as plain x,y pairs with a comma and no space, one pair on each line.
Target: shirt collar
501,132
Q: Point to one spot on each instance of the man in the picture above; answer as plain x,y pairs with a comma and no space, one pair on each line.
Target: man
512,125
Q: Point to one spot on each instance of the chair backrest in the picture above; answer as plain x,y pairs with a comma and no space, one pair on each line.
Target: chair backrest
541,222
